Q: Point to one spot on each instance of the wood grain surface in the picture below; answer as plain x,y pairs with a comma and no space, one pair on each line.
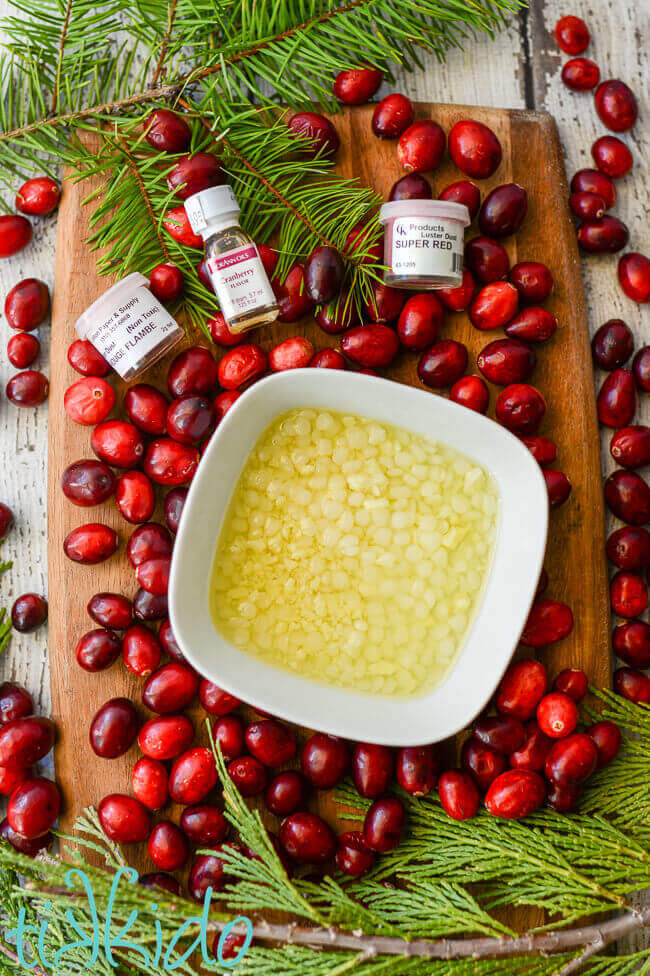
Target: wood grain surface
575,559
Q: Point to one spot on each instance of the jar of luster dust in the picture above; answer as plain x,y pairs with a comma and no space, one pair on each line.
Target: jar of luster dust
424,243
129,326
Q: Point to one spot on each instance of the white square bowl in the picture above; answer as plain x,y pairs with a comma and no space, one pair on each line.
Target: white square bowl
499,620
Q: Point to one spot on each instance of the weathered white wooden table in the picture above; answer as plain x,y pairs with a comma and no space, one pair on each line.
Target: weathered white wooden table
520,69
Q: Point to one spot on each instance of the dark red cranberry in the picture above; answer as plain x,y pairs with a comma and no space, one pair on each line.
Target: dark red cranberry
612,345
532,324
384,824
385,303
392,116
482,762
515,794
572,35
215,700
306,838
286,793
533,753
11,779
372,769
195,173
146,407
160,880
458,794
169,463
628,497
33,807
339,315
520,408
192,371
166,282
15,702
148,541
420,321
167,132
587,206
641,369
29,847
571,760
91,543
27,389
633,685
421,146
612,157
169,643
324,760
487,259
323,274
271,742
166,737
190,418
629,548
580,74
521,689
294,353
88,483
204,824
22,349
141,650
174,503
242,366
471,392
15,234
548,621
149,782
464,192
604,236
248,774
543,449
171,688
631,642
558,487
168,846
38,196
443,363
327,359
316,134
28,613
634,276
27,304
504,733
572,682
193,776
474,148
207,871
111,610
616,400
228,732
24,741
533,281
98,649
372,346
114,728
457,299
124,819
506,361
6,520
413,186
616,105
630,446
628,594
353,856
608,740
593,181
503,210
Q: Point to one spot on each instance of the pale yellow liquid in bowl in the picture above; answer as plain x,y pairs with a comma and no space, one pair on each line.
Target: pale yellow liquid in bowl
354,553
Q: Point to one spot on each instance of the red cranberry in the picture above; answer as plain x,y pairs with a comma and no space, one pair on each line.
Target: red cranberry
581,74
421,146
135,497
270,742
146,407
612,157
39,196
221,334
494,305
27,389
328,359
89,400
149,782
248,774
392,116
587,206
6,520
242,366
306,838
148,607
612,345
372,769
24,741
141,650
147,542
124,819
515,794
384,824
420,321
629,548
178,226
15,234
169,463
167,282
27,304
533,753
293,299
324,760
616,105
111,610
464,192
358,85
572,35
548,621
33,807
503,210
543,449
385,303
207,871
557,715
286,793
215,700
459,796
193,776
488,260
628,497
617,399
572,760
630,446
338,316
607,235
593,181
170,689
631,642
11,779
15,702
316,134
413,186
374,345
269,258
353,856
471,392
572,682
97,650
28,613
520,408
91,543
482,763
443,363
532,324
168,846
634,276
628,594
192,371
533,281
114,728
457,299
521,689
474,148
365,243
633,685
607,739
166,737
22,350
504,733
293,353
558,487
167,132
84,358
118,443
506,361
195,173
228,732
204,824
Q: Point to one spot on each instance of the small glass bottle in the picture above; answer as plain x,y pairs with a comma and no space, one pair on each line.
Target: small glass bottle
232,259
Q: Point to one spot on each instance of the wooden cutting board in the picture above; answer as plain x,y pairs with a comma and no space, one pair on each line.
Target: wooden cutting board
575,558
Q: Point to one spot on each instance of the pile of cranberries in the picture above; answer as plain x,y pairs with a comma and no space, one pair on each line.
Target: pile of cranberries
593,191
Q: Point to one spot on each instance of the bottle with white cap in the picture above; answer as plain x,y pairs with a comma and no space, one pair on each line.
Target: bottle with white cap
232,259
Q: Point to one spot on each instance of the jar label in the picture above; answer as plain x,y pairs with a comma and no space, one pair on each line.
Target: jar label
426,246
240,281
133,331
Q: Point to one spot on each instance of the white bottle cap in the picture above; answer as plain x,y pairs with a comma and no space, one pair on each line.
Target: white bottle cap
216,205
